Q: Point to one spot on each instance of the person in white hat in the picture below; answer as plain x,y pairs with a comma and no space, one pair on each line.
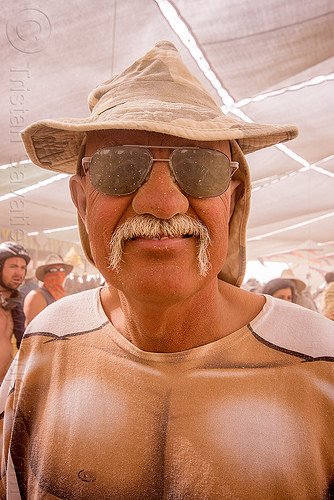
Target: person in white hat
52,273
170,381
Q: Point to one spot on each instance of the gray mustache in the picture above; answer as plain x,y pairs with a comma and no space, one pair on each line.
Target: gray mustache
147,226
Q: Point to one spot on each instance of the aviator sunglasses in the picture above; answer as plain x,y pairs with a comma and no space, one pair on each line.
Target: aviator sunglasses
54,269
121,170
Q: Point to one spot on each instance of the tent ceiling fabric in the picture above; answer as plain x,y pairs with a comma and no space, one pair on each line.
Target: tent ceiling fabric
54,53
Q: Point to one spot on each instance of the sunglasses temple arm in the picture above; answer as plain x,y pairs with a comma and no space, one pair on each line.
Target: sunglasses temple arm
234,165
85,162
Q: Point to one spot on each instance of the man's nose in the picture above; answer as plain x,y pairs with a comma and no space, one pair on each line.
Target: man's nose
160,195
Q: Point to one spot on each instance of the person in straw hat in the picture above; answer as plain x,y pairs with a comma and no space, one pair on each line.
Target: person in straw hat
170,381
280,288
303,296
52,273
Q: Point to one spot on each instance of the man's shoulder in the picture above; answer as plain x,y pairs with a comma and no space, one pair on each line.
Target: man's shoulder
74,313
34,295
295,328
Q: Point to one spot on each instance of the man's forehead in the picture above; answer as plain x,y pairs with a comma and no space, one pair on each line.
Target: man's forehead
100,138
17,261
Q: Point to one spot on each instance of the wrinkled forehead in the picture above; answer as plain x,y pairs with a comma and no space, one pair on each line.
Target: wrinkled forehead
15,261
101,138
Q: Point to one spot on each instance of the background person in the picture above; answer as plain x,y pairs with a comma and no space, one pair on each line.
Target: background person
208,391
327,300
281,289
303,296
52,273
13,267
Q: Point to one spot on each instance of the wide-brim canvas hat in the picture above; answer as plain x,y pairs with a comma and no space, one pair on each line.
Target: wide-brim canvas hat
288,274
157,93
52,260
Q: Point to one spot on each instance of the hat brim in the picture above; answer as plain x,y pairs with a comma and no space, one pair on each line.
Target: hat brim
55,144
300,285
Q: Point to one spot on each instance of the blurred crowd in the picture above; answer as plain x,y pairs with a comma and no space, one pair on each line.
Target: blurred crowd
25,292
292,289
75,283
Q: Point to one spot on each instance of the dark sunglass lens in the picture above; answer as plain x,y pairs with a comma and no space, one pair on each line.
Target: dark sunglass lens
201,173
119,170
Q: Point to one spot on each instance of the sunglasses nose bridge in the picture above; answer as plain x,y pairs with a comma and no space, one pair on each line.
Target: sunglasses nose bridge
154,162
160,195
164,164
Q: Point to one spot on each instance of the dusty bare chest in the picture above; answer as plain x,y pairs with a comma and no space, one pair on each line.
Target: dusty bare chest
190,438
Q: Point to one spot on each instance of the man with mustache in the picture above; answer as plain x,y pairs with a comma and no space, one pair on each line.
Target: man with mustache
170,381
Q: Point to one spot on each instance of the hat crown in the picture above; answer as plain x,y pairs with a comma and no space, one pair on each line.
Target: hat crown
53,259
289,274
160,75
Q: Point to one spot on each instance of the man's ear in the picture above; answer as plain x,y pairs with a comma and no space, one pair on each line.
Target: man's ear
78,194
236,187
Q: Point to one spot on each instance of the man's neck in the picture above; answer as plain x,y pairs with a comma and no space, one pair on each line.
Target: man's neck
208,316
5,292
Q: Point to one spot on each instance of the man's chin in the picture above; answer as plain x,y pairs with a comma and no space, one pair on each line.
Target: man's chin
14,286
157,277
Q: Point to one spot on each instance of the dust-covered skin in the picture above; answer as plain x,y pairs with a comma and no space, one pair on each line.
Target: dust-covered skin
248,416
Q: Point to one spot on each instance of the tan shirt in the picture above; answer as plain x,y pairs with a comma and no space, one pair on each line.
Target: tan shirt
250,416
